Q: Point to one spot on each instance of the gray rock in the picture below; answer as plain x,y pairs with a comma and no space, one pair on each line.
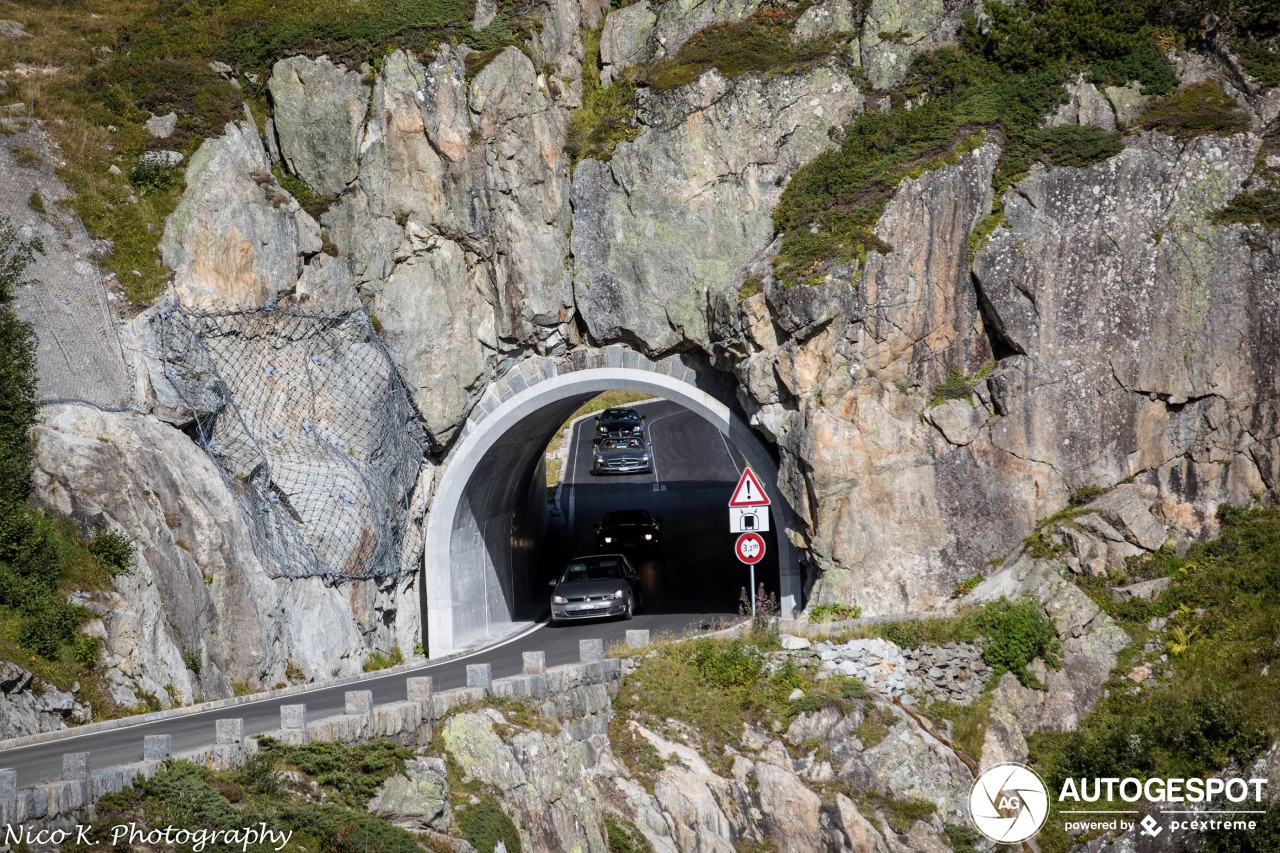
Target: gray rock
794,643
230,245
1149,590
162,127
11,29
161,159
196,581
708,164
1085,105
418,799
624,39
1128,507
319,113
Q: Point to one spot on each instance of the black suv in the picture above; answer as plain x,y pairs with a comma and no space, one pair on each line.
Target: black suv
619,423
628,528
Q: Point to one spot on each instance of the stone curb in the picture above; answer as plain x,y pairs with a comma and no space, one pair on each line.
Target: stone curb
231,702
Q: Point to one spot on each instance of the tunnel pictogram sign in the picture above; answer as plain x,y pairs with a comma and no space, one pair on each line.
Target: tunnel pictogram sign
749,548
749,492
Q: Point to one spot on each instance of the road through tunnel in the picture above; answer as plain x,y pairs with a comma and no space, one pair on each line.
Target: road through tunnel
488,517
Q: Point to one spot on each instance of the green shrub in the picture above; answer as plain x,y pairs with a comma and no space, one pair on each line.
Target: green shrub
834,612
486,825
623,836
1084,494
1016,634
731,664
1262,63
1260,206
150,177
114,551
960,385
1195,110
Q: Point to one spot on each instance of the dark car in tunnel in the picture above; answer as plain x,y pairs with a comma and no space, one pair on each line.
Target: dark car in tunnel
621,456
596,586
628,529
619,423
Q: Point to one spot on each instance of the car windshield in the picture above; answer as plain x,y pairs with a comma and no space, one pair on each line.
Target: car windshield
629,516
619,415
593,570
621,444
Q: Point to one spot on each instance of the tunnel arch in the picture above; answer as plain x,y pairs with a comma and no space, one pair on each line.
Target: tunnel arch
478,551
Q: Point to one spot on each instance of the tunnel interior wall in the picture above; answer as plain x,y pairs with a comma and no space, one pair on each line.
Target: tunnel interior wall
500,525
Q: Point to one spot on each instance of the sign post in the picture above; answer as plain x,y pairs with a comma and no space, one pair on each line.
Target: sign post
749,517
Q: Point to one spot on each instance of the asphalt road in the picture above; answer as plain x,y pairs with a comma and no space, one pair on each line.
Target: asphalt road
692,585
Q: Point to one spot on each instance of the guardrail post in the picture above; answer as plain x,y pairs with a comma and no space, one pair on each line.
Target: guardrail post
535,663
590,651
8,797
76,766
359,703
479,675
293,718
229,732
638,639
418,689
157,747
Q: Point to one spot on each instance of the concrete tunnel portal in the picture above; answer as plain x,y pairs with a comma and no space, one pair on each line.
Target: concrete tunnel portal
488,514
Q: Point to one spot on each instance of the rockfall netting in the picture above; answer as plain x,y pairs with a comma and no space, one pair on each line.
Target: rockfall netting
311,426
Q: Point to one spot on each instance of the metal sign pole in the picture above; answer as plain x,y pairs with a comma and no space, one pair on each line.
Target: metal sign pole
753,590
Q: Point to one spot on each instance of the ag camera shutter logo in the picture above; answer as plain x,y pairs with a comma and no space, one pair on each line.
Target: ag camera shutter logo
1009,803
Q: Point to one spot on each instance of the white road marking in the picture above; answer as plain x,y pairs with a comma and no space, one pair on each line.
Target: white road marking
729,450
573,474
653,450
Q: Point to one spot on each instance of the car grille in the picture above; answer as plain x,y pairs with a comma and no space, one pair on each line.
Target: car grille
579,599
624,462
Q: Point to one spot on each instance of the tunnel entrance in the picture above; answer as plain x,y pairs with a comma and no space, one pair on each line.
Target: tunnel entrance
487,520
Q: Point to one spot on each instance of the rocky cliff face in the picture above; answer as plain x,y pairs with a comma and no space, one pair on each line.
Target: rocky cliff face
1107,327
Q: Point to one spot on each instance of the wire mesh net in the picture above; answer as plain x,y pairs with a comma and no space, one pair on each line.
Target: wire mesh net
312,428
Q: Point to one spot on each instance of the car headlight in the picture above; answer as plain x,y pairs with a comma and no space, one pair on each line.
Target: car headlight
646,457
559,599
649,536
617,594
608,540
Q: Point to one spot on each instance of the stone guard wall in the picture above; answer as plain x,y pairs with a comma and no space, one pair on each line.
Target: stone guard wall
577,695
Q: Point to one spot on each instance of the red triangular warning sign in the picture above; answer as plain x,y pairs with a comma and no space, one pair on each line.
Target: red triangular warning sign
749,492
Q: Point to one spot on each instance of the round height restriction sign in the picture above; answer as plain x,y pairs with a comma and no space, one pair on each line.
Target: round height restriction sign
749,548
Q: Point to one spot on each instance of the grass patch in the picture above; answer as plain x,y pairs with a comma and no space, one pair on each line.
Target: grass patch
701,693
324,810
834,612
760,43
899,815
378,661
1209,706
968,722
607,115
1195,110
